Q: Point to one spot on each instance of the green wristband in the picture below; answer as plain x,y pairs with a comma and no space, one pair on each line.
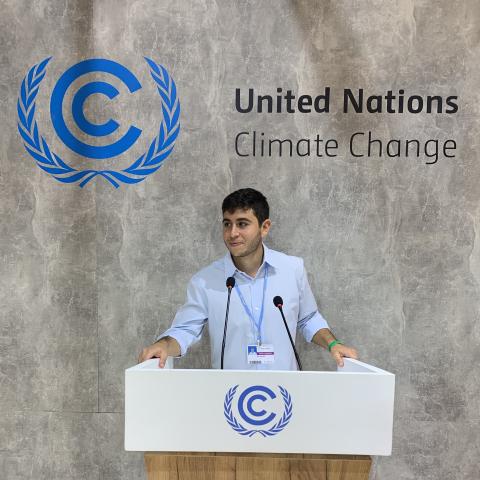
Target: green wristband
333,343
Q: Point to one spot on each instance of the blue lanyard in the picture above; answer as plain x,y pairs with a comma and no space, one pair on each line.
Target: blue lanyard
256,324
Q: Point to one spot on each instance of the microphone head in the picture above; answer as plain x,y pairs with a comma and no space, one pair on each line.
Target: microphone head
230,282
278,302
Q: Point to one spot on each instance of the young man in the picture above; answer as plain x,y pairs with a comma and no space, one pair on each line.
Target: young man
254,324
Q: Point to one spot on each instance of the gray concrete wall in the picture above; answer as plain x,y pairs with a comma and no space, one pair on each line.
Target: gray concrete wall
89,276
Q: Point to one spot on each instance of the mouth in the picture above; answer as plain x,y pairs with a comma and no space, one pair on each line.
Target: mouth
235,244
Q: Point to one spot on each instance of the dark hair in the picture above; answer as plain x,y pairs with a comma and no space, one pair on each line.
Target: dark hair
245,199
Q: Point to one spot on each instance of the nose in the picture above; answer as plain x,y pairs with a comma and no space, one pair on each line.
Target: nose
233,231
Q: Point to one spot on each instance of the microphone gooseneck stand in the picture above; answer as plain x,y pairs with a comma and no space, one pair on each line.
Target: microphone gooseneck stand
230,285
278,302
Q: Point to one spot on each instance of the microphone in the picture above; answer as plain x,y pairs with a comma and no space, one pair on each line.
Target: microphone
230,285
278,302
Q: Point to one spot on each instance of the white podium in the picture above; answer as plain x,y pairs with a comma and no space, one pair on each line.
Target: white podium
348,412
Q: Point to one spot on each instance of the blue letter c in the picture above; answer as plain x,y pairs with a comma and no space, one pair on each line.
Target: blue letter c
56,105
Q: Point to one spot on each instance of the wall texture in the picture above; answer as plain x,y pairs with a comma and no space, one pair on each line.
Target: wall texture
89,276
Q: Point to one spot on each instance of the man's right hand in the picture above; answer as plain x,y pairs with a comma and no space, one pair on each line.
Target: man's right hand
161,350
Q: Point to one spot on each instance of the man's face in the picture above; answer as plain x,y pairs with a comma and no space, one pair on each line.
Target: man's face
241,232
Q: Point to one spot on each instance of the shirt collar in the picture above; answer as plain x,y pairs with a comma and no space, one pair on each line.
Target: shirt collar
231,269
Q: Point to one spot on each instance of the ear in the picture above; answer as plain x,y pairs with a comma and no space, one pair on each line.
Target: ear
265,228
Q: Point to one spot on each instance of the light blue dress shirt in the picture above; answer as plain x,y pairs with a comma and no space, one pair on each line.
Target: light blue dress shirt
207,300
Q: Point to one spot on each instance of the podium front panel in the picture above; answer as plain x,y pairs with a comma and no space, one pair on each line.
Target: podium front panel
345,412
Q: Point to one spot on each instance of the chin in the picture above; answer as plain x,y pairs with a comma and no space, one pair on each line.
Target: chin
238,253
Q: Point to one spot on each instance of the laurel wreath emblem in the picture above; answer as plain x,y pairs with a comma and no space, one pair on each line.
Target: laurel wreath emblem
238,427
148,163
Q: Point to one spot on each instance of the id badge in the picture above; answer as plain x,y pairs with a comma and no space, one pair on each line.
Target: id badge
260,354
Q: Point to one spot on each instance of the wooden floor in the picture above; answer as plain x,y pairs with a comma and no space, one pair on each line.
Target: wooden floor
255,466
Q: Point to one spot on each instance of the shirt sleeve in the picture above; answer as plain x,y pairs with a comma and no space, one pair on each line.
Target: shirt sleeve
310,320
190,319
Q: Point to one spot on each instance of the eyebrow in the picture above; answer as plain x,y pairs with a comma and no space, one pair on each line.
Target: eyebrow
241,219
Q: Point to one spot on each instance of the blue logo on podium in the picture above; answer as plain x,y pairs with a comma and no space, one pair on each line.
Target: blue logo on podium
252,415
36,145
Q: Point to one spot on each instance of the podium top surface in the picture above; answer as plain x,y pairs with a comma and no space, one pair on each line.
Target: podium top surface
350,366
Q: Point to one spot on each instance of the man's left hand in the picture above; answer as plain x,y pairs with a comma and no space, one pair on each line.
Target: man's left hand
339,351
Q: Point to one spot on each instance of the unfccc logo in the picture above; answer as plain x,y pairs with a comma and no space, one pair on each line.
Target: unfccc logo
251,406
36,145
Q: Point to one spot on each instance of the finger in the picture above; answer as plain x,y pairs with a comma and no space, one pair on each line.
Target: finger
162,358
147,354
338,358
350,353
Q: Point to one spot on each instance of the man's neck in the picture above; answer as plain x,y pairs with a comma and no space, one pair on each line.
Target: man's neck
251,263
